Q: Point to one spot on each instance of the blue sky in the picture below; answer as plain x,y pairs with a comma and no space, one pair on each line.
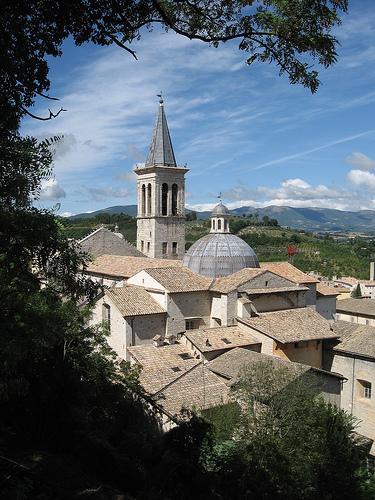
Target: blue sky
242,130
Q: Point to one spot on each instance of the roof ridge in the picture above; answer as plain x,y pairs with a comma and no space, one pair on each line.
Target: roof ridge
179,377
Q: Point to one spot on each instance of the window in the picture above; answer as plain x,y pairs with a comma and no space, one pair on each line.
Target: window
365,389
164,199
176,368
226,341
149,199
219,224
189,324
174,198
367,321
148,247
266,283
174,247
185,356
226,225
164,247
213,224
143,199
142,245
106,315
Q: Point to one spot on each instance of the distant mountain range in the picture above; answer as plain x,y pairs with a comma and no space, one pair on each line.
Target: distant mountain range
309,219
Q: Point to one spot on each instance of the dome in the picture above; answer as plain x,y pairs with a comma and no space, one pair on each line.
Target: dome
220,209
219,254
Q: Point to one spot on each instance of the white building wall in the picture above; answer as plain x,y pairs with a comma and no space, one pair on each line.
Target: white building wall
352,400
358,320
187,305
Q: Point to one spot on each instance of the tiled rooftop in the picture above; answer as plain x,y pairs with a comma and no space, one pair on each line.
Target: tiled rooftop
198,388
356,339
229,283
180,279
134,301
326,290
230,364
288,271
292,325
161,365
223,337
356,306
126,266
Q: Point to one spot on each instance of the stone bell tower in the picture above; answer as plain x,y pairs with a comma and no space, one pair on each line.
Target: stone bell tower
161,197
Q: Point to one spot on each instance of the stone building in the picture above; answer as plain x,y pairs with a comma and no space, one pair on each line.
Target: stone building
358,311
161,197
353,356
103,241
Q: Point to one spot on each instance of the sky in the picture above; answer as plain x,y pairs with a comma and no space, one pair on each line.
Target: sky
242,130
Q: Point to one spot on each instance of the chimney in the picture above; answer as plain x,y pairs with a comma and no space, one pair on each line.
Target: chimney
158,340
171,339
372,271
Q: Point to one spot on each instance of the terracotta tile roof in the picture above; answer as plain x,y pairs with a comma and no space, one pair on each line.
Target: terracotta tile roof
230,364
288,271
223,337
161,365
198,388
355,339
179,279
229,283
292,325
327,291
124,266
364,307
266,290
134,301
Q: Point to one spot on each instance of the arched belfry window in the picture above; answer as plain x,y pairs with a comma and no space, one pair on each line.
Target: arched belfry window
225,225
213,224
164,199
219,224
149,199
143,199
174,198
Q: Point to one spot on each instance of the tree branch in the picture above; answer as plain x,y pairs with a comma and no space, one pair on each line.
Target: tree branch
120,44
51,114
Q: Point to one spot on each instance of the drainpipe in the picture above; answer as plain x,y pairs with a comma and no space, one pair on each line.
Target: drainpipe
353,371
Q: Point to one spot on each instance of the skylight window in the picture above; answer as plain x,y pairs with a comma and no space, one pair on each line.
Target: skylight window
226,341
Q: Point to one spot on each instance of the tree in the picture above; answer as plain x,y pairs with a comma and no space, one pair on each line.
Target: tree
64,397
290,34
289,443
356,292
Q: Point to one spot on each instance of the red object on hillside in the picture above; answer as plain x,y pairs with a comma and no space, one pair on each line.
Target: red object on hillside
292,250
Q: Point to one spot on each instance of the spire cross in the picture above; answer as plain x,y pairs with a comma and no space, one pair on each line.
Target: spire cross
220,197
160,97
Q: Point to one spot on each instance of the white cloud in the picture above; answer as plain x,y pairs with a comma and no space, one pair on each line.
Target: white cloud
361,161
51,190
66,214
361,178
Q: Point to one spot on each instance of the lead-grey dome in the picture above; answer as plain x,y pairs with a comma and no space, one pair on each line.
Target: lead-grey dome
219,254
220,209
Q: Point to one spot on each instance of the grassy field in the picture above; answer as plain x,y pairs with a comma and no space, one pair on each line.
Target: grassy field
321,254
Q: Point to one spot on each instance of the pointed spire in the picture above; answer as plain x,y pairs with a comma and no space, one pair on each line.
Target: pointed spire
160,152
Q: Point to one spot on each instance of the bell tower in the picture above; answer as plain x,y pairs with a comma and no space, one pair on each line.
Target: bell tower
161,197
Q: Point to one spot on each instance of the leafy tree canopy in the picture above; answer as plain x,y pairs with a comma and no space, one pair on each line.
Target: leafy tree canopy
293,34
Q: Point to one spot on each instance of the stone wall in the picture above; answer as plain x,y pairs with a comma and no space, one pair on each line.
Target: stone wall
356,369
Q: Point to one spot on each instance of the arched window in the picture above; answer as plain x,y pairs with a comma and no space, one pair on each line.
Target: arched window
164,199
225,225
213,224
143,199
174,198
149,199
219,224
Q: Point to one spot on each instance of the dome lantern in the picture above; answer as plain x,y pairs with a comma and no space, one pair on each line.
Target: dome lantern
220,219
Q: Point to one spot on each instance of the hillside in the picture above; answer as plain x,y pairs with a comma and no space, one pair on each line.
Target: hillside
308,219
313,253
